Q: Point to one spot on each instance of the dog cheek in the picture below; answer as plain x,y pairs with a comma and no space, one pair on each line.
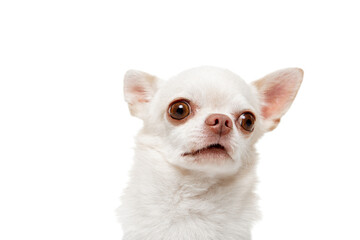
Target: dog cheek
183,136
239,146
176,139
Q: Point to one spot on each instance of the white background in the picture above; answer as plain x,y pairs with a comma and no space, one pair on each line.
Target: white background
66,136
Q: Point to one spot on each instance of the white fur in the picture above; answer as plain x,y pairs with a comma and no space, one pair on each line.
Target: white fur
173,197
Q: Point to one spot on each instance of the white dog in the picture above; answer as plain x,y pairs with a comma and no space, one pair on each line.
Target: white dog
193,176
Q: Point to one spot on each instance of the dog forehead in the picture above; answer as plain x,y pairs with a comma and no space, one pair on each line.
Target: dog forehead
207,85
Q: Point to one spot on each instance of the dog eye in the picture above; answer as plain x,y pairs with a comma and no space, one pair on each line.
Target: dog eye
247,121
179,110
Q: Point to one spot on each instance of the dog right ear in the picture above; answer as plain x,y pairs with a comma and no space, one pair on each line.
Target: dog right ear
139,89
277,91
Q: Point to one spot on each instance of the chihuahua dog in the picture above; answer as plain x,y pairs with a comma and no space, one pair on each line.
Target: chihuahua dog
194,174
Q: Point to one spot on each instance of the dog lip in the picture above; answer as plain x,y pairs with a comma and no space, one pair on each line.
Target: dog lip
209,147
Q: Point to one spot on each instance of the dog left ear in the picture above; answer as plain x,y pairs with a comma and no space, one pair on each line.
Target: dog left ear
277,92
139,89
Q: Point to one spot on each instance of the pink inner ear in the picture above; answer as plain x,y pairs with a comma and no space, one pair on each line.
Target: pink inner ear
140,93
139,87
277,98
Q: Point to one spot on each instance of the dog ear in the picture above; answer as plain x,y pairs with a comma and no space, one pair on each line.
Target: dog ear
139,89
277,92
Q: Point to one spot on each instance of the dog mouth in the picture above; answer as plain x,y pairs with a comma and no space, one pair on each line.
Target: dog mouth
212,149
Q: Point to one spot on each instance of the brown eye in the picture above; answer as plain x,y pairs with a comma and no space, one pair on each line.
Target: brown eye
179,110
247,121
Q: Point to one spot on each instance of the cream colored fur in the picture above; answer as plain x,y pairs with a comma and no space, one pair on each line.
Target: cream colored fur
175,197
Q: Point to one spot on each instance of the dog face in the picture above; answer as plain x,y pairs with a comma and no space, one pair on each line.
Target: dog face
208,119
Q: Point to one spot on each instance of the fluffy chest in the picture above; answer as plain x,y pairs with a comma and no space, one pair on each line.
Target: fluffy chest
190,210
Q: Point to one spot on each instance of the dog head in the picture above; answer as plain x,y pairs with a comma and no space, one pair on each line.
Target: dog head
207,119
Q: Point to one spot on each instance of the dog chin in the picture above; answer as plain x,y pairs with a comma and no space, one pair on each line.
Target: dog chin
211,156
212,153
213,160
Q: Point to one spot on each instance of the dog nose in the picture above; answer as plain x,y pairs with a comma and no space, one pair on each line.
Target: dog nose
219,123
